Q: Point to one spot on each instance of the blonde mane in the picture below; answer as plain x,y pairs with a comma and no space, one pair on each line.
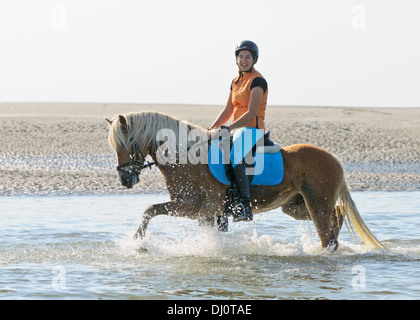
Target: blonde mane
143,128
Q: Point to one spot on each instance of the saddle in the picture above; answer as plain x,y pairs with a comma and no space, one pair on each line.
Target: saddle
267,167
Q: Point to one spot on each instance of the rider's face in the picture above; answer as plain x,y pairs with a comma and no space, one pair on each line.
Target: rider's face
245,60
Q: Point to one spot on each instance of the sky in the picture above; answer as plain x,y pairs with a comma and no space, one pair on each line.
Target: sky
312,52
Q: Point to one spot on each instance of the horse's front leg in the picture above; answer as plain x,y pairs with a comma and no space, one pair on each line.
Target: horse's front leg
147,216
172,208
151,211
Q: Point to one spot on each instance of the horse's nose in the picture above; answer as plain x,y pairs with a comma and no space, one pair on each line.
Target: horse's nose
127,183
128,180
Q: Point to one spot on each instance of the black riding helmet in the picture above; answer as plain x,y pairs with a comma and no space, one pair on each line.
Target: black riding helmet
248,45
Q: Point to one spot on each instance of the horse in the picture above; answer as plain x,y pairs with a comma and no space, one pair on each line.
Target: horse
313,187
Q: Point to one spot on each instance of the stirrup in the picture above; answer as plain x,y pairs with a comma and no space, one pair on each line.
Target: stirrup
240,213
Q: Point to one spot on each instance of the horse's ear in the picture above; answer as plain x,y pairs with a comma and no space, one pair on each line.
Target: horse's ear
109,121
123,122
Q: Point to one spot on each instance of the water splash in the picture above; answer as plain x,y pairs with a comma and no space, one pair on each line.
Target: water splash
186,239
91,238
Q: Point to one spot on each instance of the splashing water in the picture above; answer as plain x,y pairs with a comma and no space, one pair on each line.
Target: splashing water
83,247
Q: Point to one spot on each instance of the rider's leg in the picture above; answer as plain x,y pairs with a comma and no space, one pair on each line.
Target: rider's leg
242,182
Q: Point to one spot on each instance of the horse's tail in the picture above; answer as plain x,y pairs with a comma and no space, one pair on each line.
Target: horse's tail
347,207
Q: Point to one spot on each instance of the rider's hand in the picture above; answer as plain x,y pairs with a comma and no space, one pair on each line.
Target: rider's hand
223,131
224,128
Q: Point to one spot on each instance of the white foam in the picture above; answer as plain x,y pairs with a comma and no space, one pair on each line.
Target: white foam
208,242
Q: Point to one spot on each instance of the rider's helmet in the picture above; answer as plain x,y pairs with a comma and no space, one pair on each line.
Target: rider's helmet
248,45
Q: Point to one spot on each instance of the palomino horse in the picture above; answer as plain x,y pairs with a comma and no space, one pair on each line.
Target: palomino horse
313,187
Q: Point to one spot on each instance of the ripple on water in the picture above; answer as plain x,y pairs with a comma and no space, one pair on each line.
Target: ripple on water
87,244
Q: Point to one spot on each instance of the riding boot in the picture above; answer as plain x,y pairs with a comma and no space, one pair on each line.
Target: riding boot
241,179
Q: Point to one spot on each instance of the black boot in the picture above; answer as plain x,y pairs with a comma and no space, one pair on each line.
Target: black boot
242,211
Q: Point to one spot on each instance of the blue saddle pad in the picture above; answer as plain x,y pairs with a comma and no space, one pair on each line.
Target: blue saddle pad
268,166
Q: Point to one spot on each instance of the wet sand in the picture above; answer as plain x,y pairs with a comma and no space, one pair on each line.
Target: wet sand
62,148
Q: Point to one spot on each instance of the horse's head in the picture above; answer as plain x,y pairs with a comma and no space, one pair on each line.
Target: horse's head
131,159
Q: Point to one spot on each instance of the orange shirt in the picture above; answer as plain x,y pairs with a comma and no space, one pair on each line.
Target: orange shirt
241,92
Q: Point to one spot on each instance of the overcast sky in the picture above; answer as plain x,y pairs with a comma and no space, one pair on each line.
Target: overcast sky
312,52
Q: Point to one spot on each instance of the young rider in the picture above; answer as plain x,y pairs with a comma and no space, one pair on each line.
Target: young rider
247,103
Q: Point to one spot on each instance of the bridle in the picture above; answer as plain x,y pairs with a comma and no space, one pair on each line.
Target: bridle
136,164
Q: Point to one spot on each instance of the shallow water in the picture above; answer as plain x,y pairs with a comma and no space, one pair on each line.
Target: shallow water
81,247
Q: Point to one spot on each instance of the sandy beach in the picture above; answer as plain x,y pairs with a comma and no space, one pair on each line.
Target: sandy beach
62,148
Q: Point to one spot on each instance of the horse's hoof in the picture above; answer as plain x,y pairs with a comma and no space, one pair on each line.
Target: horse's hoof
138,235
142,250
223,223
332,246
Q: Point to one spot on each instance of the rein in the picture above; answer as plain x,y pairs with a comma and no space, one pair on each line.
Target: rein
136,164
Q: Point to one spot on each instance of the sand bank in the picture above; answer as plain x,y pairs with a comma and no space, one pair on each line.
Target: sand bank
62,148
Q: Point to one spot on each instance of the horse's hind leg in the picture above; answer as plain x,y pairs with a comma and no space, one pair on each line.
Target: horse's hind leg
322,210
296,208
337,219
